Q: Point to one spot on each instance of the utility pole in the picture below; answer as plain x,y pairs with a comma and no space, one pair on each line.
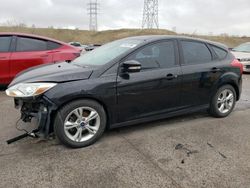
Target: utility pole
150,14
93,11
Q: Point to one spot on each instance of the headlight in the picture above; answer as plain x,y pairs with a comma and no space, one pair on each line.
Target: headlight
29,89
245,59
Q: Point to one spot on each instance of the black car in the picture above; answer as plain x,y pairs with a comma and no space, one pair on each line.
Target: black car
125,82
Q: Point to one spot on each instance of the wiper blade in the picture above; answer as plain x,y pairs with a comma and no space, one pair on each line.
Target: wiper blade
82,66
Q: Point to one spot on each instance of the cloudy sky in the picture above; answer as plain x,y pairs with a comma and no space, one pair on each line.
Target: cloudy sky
188,16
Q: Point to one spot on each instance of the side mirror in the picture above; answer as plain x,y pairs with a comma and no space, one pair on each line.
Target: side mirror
131,66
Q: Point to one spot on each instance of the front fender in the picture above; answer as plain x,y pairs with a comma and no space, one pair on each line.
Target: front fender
102,91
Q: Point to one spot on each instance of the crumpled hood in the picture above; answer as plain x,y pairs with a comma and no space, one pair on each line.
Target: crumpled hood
59,72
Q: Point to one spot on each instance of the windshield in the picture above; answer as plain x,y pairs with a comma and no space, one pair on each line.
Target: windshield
107,52
242,48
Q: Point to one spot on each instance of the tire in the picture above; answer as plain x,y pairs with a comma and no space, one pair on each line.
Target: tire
75,121
216,108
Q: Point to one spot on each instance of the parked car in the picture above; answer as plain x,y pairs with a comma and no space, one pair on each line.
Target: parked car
92,47
125,82
76,44
242,53
20,51
80,46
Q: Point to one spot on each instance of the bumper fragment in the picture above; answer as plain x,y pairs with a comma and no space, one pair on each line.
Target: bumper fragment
40,109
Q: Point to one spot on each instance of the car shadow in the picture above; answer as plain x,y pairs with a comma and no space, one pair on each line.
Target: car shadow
3,88
171,121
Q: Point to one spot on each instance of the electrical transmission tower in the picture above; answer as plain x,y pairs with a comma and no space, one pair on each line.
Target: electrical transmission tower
150,14
93,11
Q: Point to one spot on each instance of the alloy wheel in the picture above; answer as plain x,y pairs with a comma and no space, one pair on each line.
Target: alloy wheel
225,101
82,124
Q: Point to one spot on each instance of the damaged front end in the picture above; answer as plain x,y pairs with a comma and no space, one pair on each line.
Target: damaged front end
40,108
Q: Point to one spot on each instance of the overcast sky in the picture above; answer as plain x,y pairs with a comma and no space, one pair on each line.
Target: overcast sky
188,16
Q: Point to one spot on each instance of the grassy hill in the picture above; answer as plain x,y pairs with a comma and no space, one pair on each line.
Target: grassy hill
88,37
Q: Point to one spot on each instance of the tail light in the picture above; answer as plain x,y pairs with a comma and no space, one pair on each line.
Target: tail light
236,63
77,54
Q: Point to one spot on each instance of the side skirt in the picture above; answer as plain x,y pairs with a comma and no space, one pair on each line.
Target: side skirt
161,116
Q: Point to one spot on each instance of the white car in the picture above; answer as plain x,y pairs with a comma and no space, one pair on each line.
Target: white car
79,46
242,53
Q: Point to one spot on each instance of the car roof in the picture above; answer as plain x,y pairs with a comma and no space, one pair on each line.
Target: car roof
151,38
245,43
32,35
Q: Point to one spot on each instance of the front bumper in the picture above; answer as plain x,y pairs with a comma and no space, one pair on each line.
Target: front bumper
246,66
41,109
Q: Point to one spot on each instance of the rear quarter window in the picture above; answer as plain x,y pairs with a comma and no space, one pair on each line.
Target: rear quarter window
220,53
53,45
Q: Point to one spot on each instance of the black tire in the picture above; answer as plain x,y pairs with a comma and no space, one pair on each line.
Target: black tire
213,110
63,113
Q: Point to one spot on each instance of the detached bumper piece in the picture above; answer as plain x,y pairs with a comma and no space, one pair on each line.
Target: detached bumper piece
40,109
30,134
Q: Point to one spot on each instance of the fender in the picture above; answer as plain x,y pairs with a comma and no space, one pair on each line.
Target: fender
87,89
228,78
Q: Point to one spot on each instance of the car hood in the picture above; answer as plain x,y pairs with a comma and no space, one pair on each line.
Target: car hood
59,72
241,55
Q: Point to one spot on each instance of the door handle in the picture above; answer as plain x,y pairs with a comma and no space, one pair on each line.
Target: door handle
3,57
44,55
171,76
215,69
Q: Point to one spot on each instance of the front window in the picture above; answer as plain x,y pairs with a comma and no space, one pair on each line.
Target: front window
5,43
242,48
107,52
158,55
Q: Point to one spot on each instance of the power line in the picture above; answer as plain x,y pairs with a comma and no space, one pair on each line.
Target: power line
150,14
93,12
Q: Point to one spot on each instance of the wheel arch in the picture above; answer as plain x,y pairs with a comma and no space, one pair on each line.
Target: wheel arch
228,79
54,113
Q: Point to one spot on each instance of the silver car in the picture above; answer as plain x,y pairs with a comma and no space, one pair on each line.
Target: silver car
242,53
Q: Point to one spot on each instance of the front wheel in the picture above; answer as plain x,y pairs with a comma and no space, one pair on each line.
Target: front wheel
223,101
80,123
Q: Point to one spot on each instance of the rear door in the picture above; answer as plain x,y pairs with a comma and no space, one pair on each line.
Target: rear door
156,88
200,72
29,52
54,51
5,42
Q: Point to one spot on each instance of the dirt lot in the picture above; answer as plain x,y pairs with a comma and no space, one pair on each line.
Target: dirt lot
194,150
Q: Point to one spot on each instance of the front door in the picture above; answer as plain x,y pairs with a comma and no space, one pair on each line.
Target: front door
5,53
153,90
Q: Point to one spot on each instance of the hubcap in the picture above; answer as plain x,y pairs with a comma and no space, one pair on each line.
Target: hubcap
225,101
81,124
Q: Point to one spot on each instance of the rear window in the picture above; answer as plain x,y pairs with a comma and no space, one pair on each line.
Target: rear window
195,52
221,54
30,44
53,45
5,43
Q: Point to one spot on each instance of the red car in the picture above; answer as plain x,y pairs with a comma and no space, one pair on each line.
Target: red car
20,51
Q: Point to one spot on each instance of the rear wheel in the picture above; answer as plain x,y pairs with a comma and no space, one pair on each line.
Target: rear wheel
80,123
223,101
